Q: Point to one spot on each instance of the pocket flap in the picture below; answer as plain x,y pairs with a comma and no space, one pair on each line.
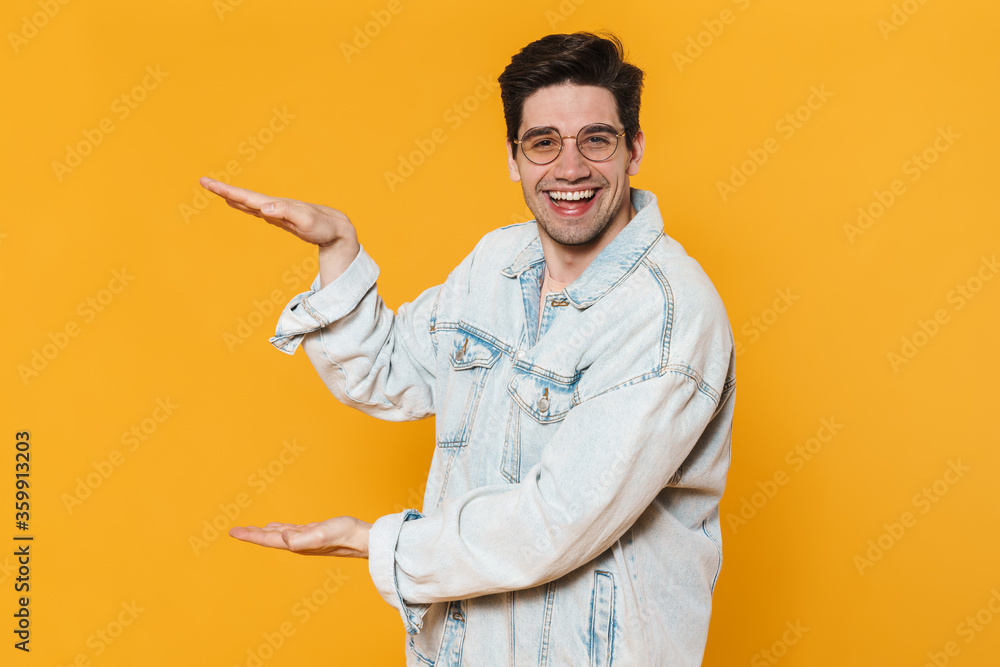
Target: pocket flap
546,401
469,351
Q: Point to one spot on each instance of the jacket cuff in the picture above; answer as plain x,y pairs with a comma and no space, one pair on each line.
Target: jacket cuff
382,538
317,308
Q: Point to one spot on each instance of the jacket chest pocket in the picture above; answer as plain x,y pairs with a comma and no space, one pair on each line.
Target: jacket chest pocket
537,401
469,362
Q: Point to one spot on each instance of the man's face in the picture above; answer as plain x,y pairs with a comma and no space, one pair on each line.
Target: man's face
583,224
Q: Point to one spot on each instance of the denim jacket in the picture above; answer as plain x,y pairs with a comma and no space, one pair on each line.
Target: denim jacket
571,509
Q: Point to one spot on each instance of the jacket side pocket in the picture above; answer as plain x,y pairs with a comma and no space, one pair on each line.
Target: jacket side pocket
470,359
602,619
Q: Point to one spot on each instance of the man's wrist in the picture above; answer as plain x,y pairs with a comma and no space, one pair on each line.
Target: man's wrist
334,258
361,534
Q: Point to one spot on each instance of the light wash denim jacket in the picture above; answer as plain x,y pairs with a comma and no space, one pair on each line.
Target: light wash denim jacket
571,509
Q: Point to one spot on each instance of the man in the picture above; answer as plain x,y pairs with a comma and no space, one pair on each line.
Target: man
581,370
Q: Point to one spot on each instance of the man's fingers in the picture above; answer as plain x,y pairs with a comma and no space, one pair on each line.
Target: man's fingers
262,536
307,539
248,198
240,207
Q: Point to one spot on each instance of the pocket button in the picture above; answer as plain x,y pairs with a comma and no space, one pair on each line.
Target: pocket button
543,402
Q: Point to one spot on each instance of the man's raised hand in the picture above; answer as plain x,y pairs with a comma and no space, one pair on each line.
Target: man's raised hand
340,536
322,226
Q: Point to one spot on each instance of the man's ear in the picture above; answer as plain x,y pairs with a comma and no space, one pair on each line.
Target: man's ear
635,157
515,174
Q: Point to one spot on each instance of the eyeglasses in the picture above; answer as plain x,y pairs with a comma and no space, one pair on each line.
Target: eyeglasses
597,143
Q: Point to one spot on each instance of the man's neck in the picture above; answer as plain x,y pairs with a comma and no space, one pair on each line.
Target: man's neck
567,263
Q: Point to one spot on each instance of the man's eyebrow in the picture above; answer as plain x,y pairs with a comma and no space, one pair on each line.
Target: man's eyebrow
537,131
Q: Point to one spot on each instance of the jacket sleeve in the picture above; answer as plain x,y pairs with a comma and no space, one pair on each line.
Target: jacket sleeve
605,465
370,358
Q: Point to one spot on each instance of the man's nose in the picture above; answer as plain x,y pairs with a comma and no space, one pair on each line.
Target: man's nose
571,165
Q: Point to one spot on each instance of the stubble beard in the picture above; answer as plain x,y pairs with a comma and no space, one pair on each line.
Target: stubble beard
572,232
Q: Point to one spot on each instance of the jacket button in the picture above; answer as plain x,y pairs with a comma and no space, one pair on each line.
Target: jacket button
520,354
543,404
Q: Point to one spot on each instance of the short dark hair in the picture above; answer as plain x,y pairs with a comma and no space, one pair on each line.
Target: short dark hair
583,59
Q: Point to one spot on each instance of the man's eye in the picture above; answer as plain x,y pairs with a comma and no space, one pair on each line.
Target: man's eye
543,143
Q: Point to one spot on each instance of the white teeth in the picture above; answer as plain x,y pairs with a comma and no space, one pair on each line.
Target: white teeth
571,196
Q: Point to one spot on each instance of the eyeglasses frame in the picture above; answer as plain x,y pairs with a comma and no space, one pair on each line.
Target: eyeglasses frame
563,143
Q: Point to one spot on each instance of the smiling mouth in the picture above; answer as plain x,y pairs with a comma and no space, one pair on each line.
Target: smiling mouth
571,199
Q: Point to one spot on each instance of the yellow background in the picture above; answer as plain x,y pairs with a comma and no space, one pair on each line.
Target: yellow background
164,332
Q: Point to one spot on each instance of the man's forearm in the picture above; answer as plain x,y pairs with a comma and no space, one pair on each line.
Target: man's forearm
335,258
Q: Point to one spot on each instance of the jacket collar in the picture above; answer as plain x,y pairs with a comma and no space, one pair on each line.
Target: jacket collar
615,261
